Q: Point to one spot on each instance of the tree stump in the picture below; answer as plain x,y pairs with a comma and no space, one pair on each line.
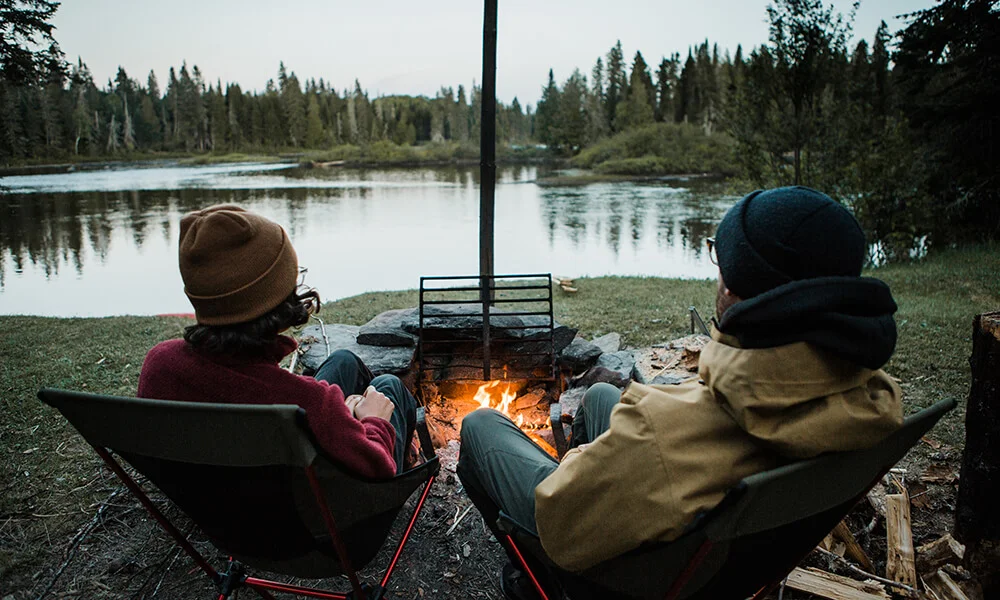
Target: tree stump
977,520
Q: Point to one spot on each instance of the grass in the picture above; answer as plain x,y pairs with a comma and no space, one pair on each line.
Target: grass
47,470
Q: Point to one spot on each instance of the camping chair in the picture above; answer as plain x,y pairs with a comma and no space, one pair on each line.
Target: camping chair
254,480
744,546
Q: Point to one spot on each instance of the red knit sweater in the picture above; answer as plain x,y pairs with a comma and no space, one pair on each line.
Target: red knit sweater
175,370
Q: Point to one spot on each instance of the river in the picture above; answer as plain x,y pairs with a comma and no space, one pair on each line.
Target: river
104,242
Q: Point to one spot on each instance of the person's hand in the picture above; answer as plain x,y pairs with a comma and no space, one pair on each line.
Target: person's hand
374,404
352,402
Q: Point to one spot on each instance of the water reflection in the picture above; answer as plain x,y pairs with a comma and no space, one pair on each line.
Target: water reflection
82,244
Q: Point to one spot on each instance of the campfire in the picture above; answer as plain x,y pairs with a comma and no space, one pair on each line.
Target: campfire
527,407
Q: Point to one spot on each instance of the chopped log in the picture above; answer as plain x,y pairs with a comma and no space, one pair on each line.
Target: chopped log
569,289
899,565
833,586
854,550
977,522
936,554
528,400
942,587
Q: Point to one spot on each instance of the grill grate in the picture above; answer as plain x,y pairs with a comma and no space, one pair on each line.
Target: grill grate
468,335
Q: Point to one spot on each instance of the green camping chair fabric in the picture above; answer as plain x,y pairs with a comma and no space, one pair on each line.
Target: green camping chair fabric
254,480
749,542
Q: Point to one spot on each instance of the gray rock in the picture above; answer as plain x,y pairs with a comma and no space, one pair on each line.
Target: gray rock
379,359
315,346
457,317
611,342
665,379
616,368
562,335
464,321
571,400
579,355
390,329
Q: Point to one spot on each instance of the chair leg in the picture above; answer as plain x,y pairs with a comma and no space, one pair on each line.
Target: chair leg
406,534
523,564
232,579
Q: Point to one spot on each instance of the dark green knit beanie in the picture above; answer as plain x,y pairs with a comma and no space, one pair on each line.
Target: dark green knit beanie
774,237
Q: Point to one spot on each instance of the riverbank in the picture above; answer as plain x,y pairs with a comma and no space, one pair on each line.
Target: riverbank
379,154
53,483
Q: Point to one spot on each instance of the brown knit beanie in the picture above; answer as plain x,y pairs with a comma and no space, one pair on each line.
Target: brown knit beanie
236,265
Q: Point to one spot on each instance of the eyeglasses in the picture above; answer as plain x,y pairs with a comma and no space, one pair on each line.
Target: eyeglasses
300,283
712,256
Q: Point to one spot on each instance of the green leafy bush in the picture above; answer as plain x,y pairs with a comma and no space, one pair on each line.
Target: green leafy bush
659,149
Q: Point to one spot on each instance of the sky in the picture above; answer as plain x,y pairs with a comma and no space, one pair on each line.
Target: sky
406,47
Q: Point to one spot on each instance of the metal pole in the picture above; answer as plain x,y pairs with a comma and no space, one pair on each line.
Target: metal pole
487,151
487,173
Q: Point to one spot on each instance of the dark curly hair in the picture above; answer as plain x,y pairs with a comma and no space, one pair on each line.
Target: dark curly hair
253,338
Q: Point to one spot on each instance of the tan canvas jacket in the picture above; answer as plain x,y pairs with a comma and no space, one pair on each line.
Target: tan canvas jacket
673,451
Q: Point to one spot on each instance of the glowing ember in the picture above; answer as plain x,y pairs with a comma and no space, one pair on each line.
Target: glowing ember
485,397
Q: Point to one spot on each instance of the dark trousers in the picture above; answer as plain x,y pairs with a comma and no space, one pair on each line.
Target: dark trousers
349,372
500,466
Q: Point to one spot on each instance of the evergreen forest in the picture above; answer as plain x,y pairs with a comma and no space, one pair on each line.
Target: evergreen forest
901,129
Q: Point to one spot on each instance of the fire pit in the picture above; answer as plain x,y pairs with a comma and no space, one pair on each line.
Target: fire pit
489,344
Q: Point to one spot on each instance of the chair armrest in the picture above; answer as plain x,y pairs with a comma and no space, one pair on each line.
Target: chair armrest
424,435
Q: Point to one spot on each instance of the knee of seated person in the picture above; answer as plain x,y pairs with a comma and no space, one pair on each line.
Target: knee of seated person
600,390
479,420
387,380
341,356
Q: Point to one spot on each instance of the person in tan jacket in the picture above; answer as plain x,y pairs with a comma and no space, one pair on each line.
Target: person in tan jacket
793,370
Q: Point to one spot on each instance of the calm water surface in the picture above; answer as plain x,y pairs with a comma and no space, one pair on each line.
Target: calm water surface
101,243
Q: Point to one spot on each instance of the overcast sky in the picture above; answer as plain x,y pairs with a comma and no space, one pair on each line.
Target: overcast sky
407,47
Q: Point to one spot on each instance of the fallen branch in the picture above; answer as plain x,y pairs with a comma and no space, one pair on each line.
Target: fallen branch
458,520
846,563
81,534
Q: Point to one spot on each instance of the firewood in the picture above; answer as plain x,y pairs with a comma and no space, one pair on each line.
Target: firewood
833,586
942,587
899,564
934,555
569,289
854,550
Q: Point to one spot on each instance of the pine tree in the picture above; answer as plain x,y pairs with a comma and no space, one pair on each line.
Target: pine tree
686,98
547,114
572,115
636,109
597,121
666,86
460,117
235,115
293,104
617,82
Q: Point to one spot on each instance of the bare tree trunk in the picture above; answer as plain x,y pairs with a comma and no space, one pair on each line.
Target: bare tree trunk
977,520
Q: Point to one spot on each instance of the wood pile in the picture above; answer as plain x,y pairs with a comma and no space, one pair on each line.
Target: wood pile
932,571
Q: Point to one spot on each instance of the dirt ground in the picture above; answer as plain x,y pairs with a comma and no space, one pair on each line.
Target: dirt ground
77,533
114,550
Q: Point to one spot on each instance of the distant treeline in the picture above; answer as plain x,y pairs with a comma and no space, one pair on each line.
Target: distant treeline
902,130
65,114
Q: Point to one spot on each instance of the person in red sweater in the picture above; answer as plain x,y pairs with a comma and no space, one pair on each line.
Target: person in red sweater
240,272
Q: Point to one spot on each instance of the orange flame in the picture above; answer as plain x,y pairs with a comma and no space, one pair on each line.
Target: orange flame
484,396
